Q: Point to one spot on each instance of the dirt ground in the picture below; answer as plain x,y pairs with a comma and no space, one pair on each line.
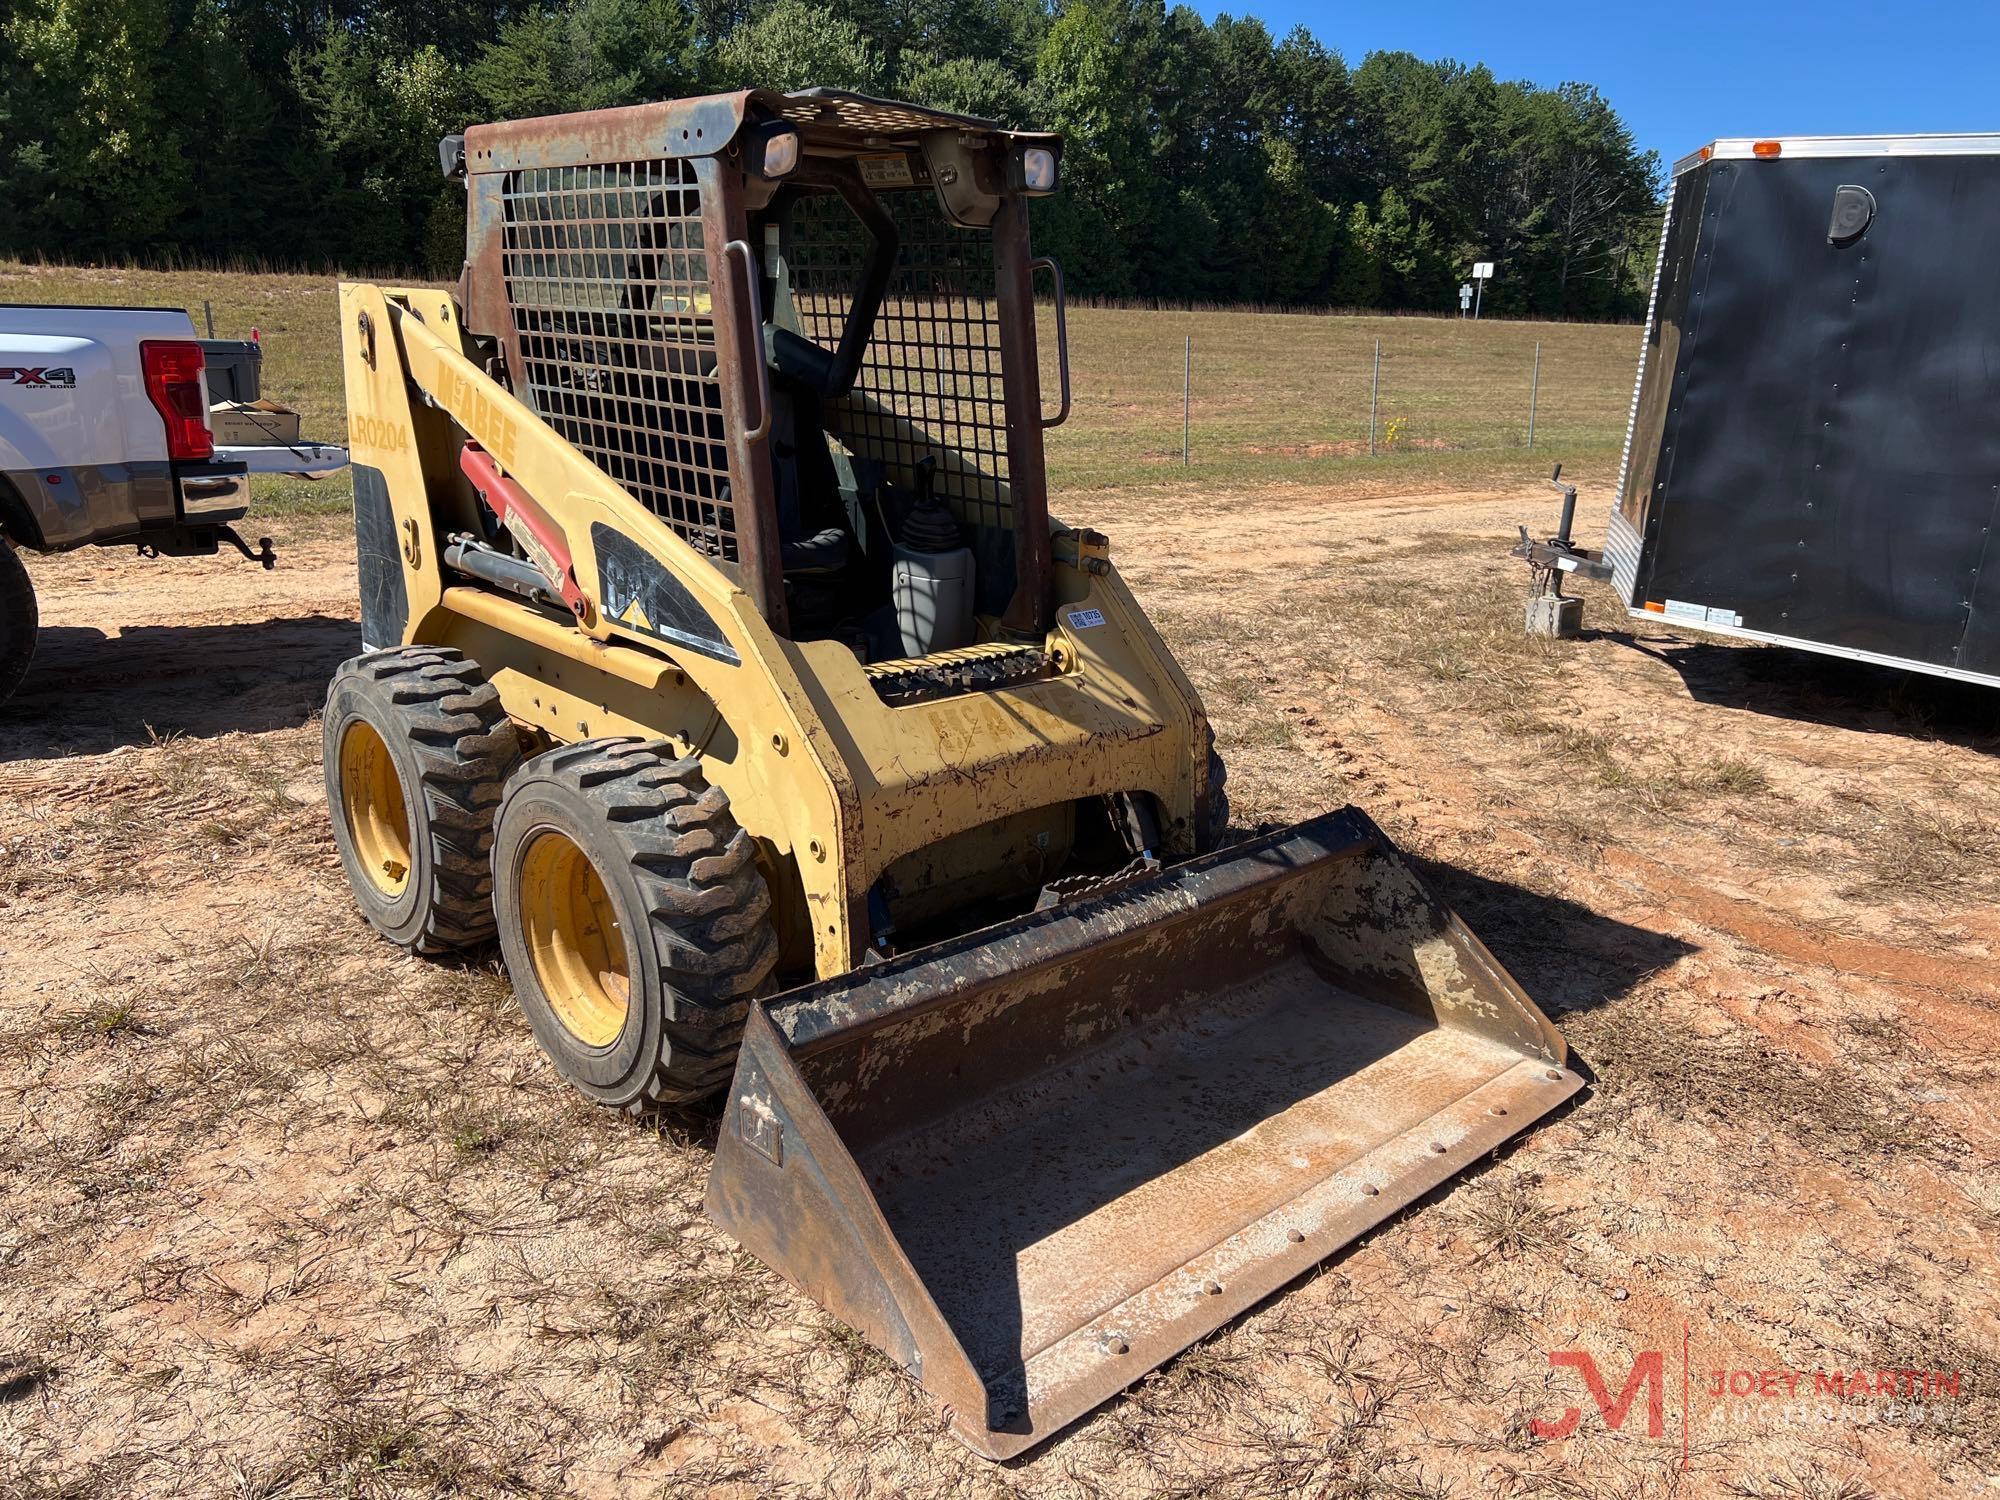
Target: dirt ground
288,1213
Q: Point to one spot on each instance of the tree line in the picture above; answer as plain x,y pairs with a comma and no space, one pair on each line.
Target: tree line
1205,161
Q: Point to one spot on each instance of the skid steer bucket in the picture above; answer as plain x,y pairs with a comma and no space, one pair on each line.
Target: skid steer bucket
1033,1163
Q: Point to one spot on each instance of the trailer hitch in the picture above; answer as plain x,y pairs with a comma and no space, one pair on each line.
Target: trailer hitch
263,554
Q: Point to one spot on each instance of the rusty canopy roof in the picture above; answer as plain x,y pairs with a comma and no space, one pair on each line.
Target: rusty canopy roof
879,117
705,125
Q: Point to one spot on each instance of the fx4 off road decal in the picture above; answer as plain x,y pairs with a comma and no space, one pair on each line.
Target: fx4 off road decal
61,376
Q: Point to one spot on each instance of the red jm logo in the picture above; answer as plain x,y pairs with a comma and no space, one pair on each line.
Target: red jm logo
1647,1370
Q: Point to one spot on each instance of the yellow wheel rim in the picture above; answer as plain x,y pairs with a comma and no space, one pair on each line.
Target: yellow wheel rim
378,819
574,939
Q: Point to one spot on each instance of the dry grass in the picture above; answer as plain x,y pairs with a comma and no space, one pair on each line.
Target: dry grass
289,1214
1921,849
1840,1113
349,1236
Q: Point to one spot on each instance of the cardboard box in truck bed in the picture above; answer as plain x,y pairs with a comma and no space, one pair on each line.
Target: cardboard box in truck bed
238,424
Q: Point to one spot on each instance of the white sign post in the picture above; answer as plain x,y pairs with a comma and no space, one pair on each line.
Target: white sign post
1464,299
1482,272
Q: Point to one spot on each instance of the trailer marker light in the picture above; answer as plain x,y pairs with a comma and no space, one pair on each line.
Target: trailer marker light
1766,149
1656,607
1705,152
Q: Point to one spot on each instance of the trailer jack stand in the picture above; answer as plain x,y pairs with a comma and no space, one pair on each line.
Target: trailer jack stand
1550,612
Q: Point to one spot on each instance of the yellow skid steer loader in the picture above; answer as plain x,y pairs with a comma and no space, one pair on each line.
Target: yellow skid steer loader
723,659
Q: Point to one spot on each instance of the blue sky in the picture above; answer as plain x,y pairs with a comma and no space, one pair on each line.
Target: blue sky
1682,74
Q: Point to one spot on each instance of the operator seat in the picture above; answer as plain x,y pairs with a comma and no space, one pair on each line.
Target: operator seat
812,532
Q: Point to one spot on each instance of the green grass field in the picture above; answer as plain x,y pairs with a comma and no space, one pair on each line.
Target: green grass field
1278,398
1284,397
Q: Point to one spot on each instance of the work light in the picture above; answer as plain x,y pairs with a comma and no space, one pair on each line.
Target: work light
1038,171
773,151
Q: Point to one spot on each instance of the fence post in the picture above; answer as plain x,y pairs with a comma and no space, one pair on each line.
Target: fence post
1187,395
1534,393
1374,395
208,312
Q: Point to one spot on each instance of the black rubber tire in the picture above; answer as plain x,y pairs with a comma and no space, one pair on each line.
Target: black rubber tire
453,748
1212,818
690,902
20,618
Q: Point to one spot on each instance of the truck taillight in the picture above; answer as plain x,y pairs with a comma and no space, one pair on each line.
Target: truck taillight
177,385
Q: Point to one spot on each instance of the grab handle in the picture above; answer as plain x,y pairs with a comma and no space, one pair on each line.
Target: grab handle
1044,262
753,337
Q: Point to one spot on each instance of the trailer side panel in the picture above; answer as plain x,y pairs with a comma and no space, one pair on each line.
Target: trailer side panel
1815,456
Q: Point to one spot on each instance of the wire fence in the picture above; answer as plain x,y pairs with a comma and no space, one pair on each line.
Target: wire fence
1243,391
1378,437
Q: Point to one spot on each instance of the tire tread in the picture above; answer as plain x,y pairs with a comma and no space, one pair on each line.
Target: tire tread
466,748
20,619
705,902
1212,829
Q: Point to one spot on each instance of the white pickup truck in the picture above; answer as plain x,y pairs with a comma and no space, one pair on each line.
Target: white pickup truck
105,440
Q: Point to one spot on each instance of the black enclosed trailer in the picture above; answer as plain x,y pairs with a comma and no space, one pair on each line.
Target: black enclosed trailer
1813,457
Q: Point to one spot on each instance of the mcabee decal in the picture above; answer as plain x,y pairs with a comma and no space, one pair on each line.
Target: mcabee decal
477,411
62,376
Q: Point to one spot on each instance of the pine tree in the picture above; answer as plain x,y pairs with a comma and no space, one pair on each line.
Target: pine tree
1203,160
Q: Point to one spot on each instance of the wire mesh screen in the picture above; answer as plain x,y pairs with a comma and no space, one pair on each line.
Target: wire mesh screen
929,385
608,283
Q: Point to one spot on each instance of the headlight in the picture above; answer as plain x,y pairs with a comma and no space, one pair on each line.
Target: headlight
774,151
1038,170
